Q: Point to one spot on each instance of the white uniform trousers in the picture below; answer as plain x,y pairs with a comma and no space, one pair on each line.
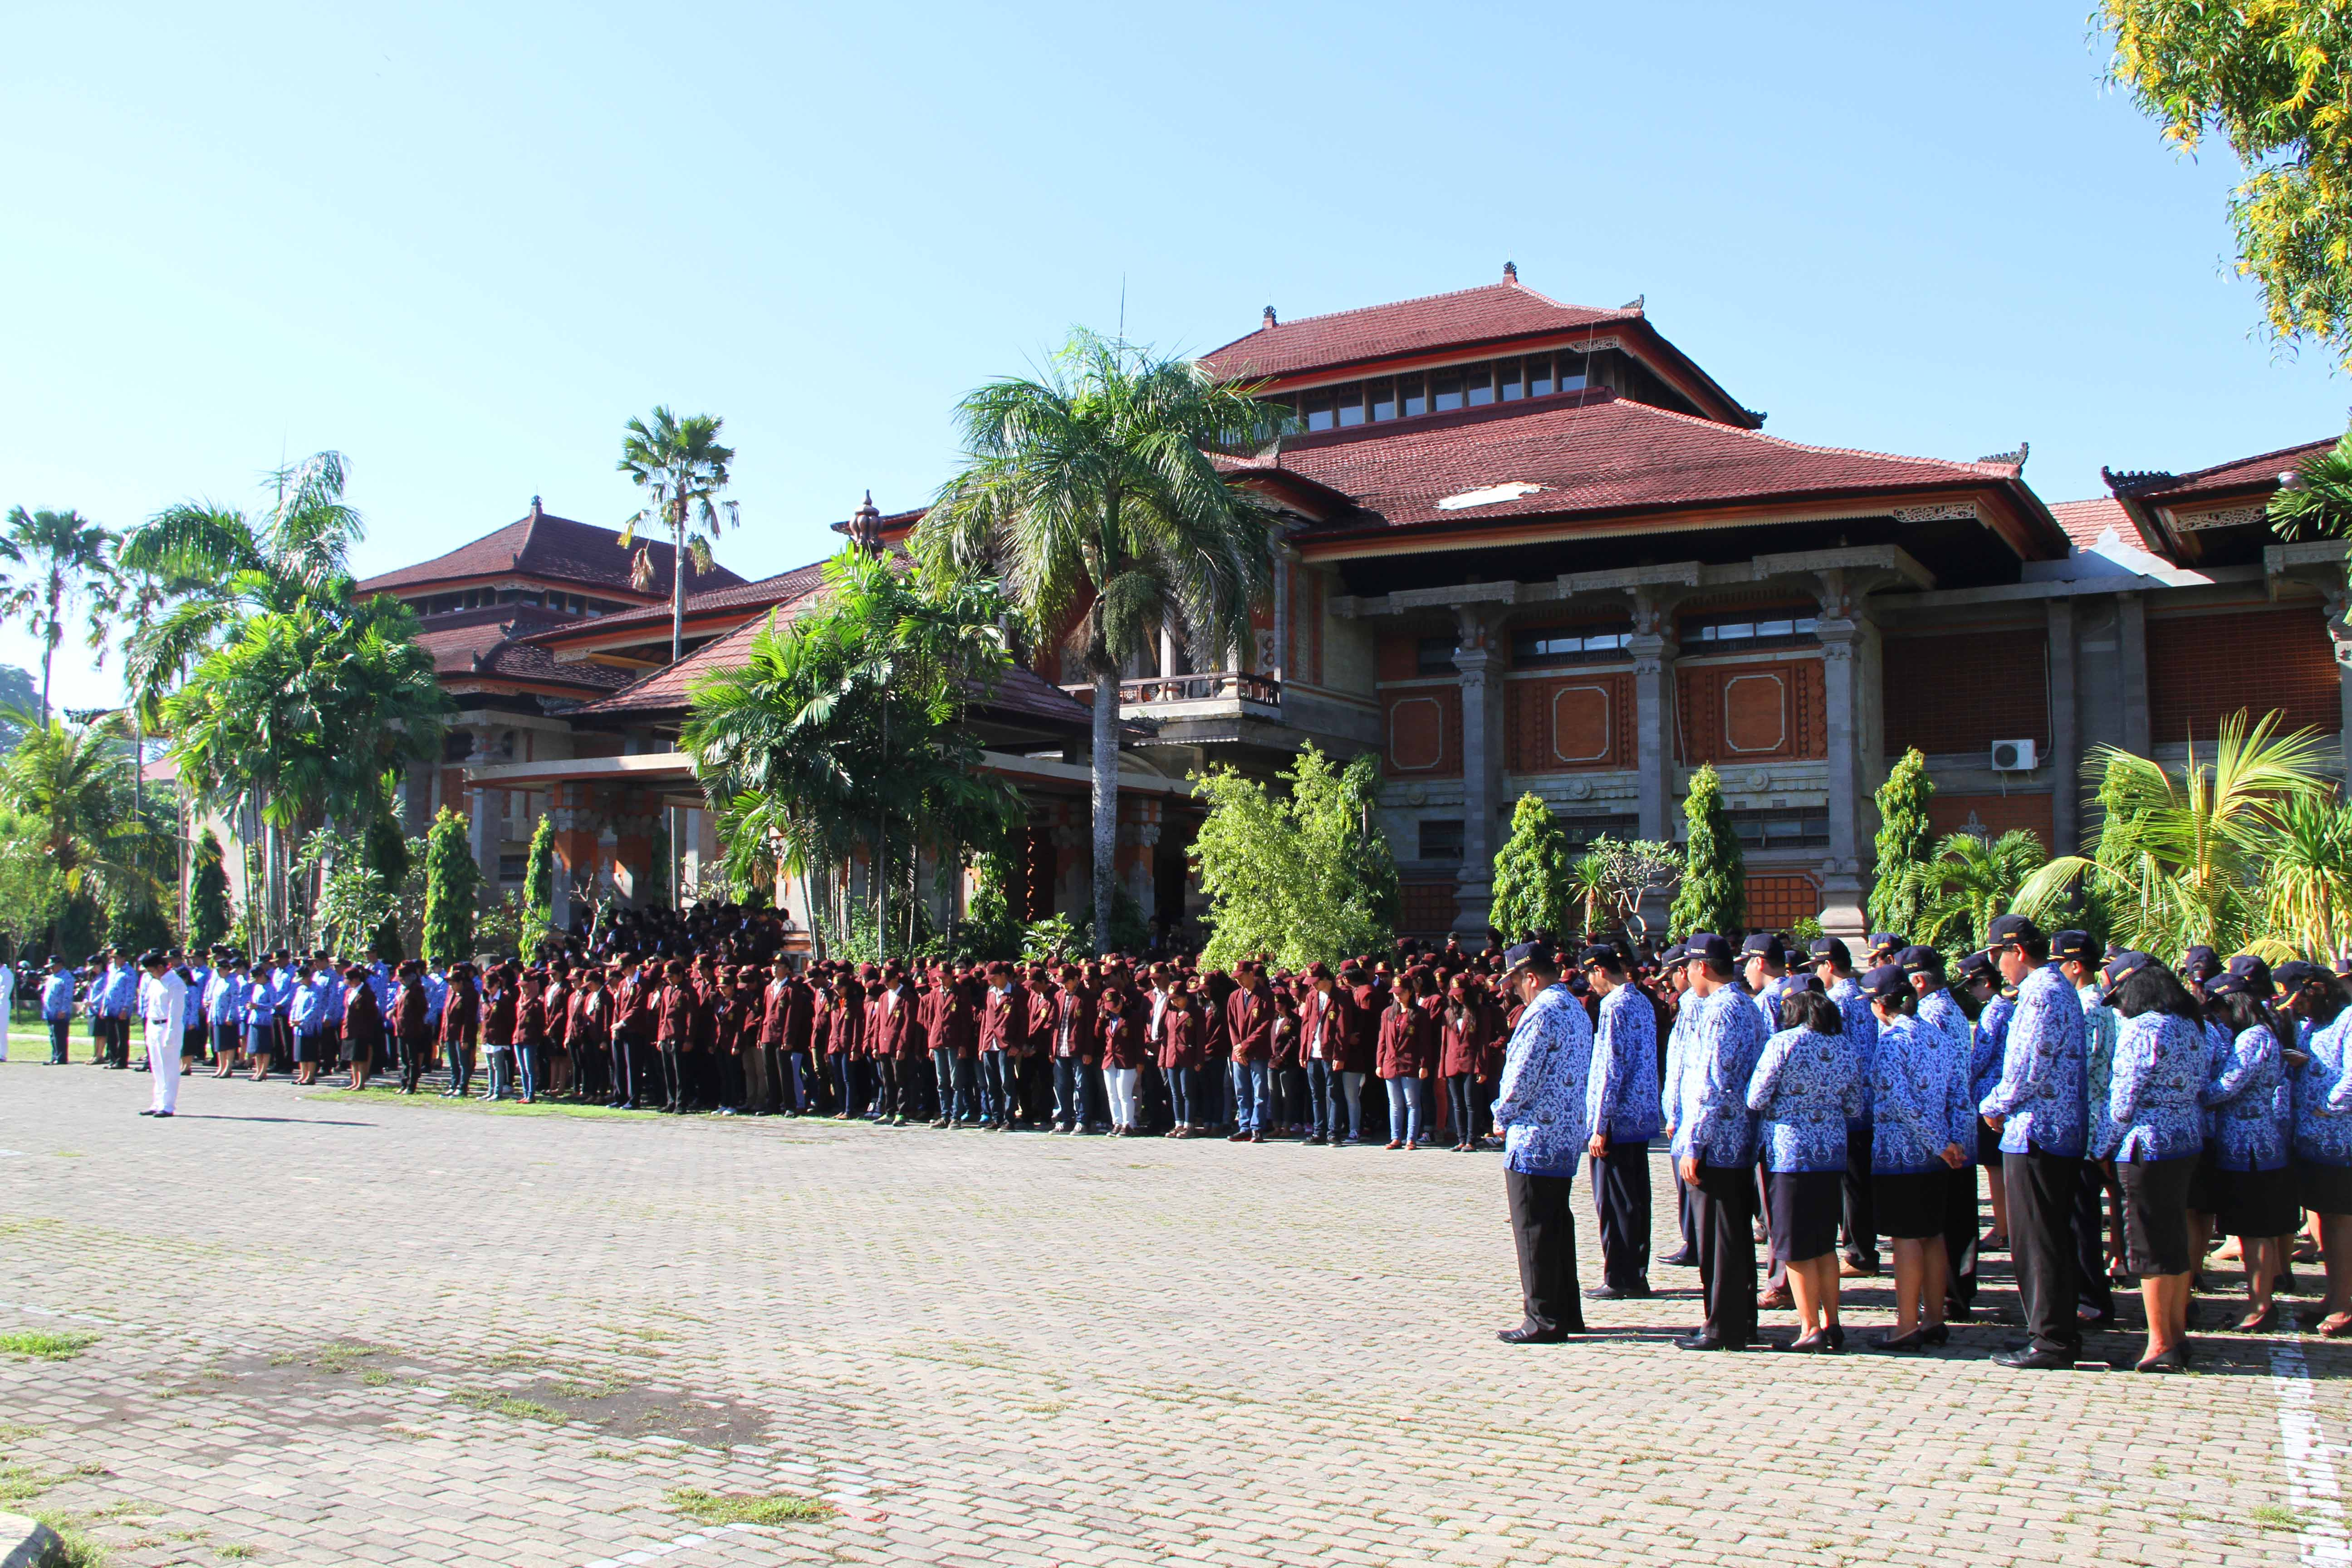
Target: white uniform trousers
163,1063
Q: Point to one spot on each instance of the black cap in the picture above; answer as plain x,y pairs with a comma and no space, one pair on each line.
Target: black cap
1979,965
2074,944
1763,944
2230,985
1538,951
1834,949
2256,973
2200,963
2122,967
2010,929
1601,952
1918,959
2294,975
1886,944
1887,982
1673,955
1704,944
151,958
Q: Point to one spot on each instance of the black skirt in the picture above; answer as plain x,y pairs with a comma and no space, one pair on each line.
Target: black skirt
2156,1215
1806,1206
1910,1203
2259,1203
2324,1188
2205,1183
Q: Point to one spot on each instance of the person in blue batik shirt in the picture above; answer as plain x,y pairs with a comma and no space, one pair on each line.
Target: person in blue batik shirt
1715,1141
2038,1108
1621,1109
2078,959
2254,1109
57,1008
1834,966
1539,1114
1674,969
2314,999
2158,1130
1920,1112
1805,1090
1936,1010
1764,965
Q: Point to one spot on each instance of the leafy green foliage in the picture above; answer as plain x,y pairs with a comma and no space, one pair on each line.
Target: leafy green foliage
1954,896
57,562
539,877
1902,844
71,788
353,901
209,916
2273,80
681,467
451,881
1303,878
1713,896
1535,876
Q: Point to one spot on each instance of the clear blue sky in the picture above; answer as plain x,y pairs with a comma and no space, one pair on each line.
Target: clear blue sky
463,244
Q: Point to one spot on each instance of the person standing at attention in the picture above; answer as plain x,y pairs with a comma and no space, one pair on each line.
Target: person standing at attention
1623,1106
1714,1141
164,1008
2040,1109
1539,1114
57,1007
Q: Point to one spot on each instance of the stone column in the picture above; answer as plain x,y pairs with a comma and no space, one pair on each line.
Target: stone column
1482,667
1841,630
1281,671
1654,649
2340,637
2065,739
2131,636
482,838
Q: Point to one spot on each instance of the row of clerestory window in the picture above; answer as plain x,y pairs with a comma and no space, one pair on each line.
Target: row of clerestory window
1387,397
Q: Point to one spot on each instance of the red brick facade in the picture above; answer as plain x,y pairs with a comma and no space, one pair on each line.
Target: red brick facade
1752,712
2202,669
1942,698
1427,908
1423,726
1777,902
1569,723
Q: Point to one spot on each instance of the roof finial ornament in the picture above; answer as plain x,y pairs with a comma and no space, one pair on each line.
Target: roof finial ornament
535,513
1511,272
1270,321
1635,303
865,526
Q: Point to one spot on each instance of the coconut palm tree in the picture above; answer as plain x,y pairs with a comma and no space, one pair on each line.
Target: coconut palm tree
73,781
1093,493
2307,876
2182,856
2316,498
59,561
1969,879
681,467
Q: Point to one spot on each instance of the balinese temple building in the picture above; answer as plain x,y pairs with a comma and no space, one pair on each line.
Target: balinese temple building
1526,547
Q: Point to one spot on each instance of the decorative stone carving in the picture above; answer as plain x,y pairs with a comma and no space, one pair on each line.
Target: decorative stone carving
1942,511
2228,516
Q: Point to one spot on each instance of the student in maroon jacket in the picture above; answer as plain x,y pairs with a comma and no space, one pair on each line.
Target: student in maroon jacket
782,1082
531,1033
1074,1050
1466,1030
1250,1015
1123,1053
1324,1026
588,1030
953,1057
461,1029
636,1019
1406,1054
413,1025
362,1025
1184,1056
561,986
1003,1015
674,1033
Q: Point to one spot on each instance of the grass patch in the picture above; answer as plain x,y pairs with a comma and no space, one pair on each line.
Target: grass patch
506,1405
343,1356
235,1552
2272,1516
42,1345
774,1508
76,1549
20,1482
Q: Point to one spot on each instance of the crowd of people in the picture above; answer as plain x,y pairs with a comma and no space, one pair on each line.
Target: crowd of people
2125,1114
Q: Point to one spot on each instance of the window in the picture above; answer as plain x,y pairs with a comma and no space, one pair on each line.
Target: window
510,868
1319,411
1379,400
1507,383
1799,827
1570,645
1382,397
1539,372
509,596
1441,840
1444,391
1412,392
1351,403
1478,384
1434,657
1572,371
1737,630
1583,830
457,745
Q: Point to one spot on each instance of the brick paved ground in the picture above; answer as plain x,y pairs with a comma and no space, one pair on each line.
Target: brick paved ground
335,1330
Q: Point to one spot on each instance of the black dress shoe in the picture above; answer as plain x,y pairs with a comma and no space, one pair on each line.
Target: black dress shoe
2168,1361
1936,1334
2032,1359
1612,1294
1701,1342
1528,1336
1818,1343
1915,1339
1683,1259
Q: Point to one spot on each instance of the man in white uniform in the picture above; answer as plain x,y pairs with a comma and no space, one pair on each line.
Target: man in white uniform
162,1008
8,1004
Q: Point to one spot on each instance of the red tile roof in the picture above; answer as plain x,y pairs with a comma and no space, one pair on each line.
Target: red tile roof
485,645
1497,311
748,597
1594,454
546,546
2258,472
2085,520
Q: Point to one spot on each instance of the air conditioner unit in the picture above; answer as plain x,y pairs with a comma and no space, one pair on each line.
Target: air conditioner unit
2012,756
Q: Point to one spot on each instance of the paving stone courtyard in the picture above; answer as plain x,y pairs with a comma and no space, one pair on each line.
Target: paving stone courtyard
333,1329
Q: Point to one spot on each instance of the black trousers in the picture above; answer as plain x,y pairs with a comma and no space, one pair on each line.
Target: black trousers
1725,1210
1621,1197
2041,1189
1861,1216
1962,1235
2089,1220
1543,1228
1686,1212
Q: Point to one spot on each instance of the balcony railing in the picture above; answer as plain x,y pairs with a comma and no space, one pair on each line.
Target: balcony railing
1227,689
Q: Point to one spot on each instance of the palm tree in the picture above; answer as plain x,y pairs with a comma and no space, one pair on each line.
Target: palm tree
2307,876
60,559
73,781
1092,492
2317,496
2180,857
1969,880
682,468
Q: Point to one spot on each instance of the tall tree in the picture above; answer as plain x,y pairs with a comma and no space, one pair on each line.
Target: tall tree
75,782
1954,896
209,917
1535,874
452,882
59,561
539,882
1713,896
2273,80
682,469
1304,877
1094,493
1904,841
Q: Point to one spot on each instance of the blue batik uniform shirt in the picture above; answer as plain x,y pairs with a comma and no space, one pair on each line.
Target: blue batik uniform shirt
1539,1101
2322,1097
1624,1101
2254,1104
58,996
1678,1035
2041,1095
437,997
1804,1088
2163,1063
122,991
1987,1040
1921,1103
1861,1038
2100,1023
1713,1123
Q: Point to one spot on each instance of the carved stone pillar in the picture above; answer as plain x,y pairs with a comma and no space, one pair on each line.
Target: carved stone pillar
1653,649
1476,656
1844,637
2065,740
2131,621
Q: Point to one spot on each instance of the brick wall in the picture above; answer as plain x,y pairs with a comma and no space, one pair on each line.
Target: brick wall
1752,712
1997,814
2202,669
1777,902
1427,909
1569,723
1940,696
1424,727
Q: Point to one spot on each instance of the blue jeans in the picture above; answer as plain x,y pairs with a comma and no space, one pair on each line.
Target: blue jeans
995,1086
796,1067
1352,1085
527,1060
1183,1089
502,1073
1404,1109
1321,1082
1252,1085
1069,1091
